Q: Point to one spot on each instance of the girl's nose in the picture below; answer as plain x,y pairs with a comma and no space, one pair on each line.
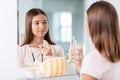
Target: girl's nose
41,25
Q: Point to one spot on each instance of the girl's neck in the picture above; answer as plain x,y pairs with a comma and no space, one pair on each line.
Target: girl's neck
36,42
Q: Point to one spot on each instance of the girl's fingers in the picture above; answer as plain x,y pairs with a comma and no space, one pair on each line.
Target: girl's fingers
46,48
46,51
46,44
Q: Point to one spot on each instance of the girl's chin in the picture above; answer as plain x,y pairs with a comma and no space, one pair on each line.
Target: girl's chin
41,35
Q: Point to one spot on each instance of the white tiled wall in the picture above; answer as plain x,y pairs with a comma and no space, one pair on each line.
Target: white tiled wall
8,39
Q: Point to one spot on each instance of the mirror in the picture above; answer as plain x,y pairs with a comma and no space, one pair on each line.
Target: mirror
66,19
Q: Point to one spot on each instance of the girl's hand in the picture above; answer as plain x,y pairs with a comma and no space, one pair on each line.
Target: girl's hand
74,58
76,54
46,49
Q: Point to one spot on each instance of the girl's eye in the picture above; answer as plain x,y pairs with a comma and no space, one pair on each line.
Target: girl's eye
44,22
37,23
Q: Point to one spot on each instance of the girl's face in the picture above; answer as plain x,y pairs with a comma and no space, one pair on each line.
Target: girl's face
39,25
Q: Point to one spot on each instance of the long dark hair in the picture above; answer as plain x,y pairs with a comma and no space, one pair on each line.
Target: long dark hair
28,26
104,29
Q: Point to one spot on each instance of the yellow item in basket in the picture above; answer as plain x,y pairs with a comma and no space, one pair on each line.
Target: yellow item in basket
31,69
55,66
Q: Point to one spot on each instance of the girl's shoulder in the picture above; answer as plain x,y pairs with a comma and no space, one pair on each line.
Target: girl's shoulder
22,47
93,55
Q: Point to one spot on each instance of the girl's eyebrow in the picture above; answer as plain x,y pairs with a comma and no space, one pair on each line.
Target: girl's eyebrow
39,21
45,20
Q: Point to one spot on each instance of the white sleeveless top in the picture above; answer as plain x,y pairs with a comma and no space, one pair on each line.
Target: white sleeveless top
97,66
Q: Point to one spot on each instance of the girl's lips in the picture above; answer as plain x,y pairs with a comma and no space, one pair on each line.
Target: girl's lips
41,31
